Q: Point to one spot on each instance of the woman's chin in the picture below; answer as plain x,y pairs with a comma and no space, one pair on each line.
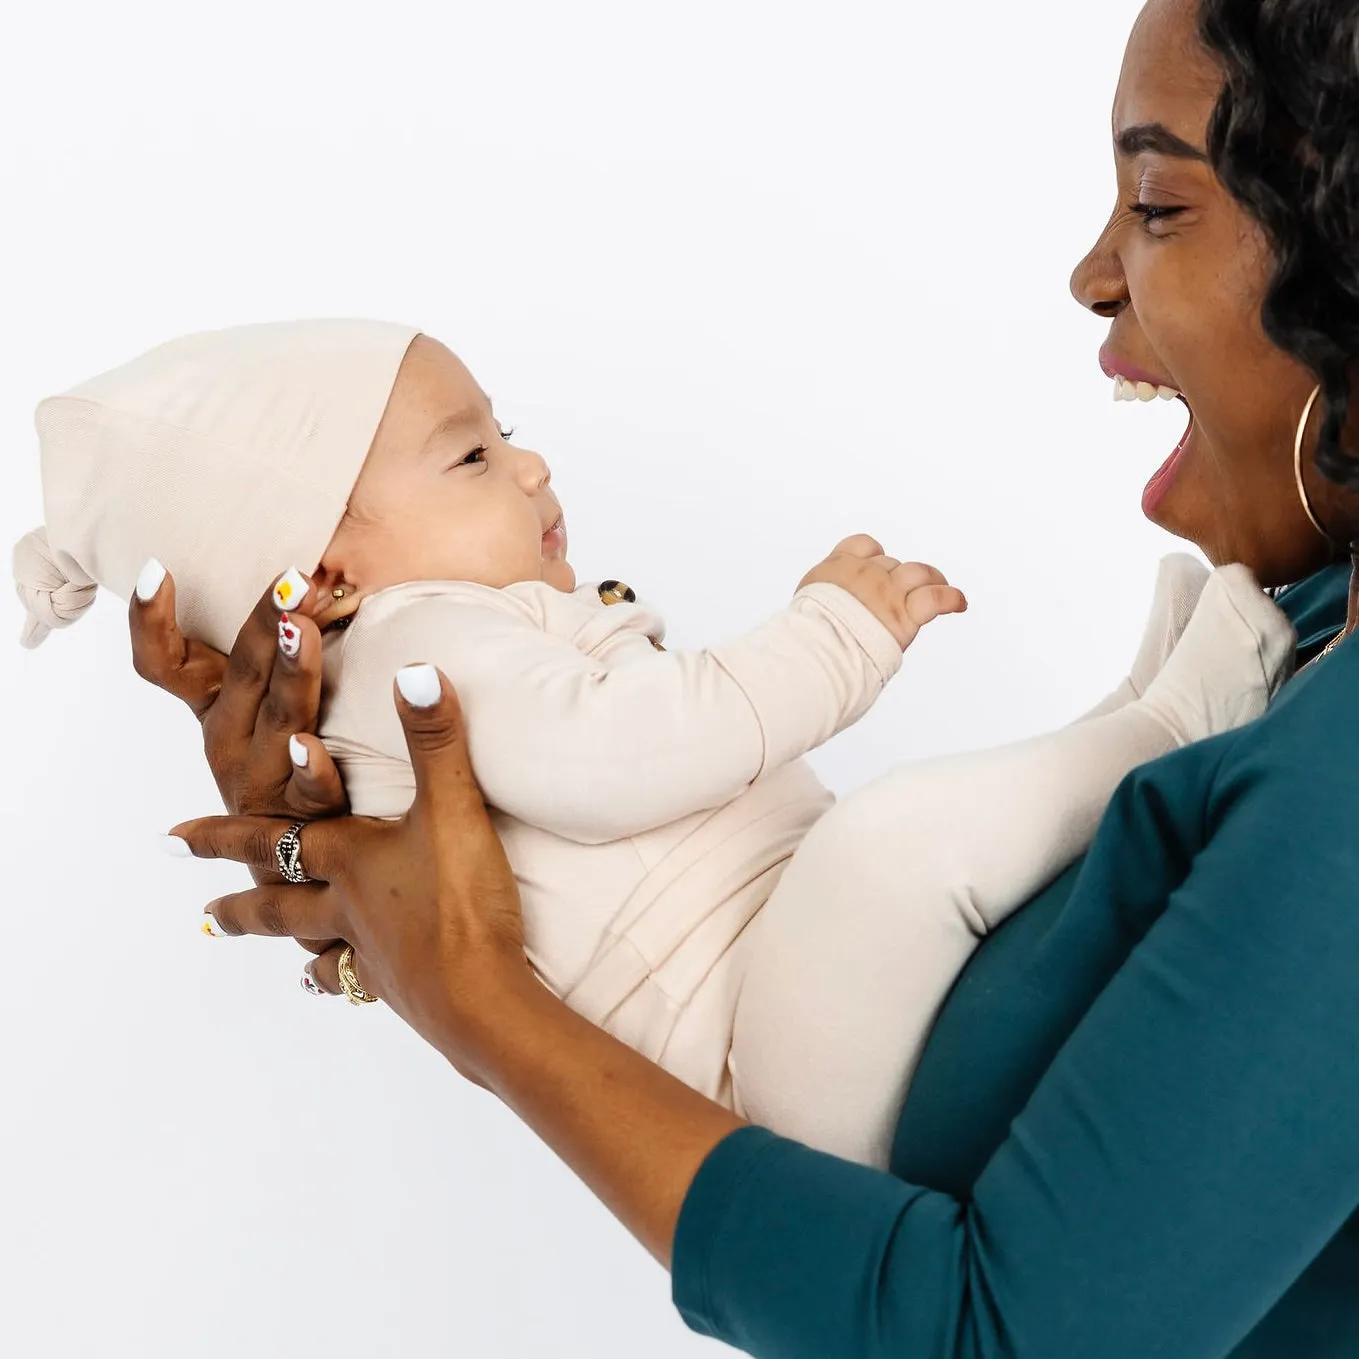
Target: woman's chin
1174,498
1179,511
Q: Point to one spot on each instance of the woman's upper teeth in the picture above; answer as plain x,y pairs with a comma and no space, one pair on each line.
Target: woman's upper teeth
1127,390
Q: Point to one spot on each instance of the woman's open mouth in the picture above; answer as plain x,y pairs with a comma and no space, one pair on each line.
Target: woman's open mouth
1131,384
1155,490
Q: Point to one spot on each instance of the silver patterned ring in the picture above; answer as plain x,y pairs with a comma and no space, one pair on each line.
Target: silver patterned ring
288,852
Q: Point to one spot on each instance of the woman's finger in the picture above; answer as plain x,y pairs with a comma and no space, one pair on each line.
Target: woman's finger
231,725
288,711
290,707
191,671
324,972
253,841
320,946
278,910
315,789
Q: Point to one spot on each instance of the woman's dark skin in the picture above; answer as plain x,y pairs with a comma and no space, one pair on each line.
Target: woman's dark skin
1183,293
429,902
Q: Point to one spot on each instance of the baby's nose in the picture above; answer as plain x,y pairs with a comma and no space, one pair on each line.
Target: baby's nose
534,470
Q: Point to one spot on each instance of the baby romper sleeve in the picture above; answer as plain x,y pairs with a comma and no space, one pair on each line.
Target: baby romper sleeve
593,751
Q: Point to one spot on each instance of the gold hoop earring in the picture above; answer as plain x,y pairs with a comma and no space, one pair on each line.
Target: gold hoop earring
1297,464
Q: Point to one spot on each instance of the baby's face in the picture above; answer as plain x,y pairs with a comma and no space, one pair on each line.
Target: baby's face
443,495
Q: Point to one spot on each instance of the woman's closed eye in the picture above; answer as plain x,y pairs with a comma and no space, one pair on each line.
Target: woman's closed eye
1152,213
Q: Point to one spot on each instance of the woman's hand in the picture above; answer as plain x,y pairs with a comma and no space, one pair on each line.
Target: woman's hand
429,901
249,704
432,909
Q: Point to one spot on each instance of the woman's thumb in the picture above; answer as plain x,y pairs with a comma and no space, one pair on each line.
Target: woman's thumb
436,738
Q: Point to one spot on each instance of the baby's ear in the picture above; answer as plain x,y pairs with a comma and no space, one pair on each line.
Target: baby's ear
336,597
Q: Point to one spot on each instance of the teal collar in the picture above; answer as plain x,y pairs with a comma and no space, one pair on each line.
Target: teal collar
1317,607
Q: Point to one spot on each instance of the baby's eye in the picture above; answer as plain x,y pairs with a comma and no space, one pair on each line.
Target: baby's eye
478,454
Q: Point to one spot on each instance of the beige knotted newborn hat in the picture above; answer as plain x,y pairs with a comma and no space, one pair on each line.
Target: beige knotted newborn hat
228,456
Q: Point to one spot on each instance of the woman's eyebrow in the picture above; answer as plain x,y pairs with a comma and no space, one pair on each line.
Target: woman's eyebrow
1157,138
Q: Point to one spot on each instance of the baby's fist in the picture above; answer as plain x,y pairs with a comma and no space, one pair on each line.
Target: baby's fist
903,596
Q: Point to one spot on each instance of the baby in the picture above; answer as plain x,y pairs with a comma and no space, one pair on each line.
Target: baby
687,883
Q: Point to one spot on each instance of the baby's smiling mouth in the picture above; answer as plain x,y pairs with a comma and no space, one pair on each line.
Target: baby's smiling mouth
554,536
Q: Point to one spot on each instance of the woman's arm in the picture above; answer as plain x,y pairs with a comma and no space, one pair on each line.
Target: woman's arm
1188,1153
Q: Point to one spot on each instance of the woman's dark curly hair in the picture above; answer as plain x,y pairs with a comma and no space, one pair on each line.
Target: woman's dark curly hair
1284,139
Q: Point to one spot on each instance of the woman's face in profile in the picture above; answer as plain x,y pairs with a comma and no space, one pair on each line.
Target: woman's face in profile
1181,271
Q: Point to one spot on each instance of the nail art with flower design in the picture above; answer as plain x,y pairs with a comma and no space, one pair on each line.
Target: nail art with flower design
309,985
211,928
289,637
291,589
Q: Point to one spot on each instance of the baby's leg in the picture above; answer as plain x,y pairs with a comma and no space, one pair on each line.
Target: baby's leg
886,898
881,907
1180,579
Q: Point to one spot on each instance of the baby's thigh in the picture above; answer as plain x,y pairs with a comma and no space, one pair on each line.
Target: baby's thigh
868,895
898,847
849,962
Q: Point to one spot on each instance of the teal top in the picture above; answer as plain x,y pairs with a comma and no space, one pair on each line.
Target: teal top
1135,1128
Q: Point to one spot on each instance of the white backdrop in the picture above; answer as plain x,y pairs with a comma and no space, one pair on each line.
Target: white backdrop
753,275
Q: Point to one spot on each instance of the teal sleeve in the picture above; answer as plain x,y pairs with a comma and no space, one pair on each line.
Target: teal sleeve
1191,1148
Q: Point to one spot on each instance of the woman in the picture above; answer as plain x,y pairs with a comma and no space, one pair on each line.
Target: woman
1134,1129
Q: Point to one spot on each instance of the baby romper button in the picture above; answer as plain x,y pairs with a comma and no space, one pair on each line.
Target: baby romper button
615,592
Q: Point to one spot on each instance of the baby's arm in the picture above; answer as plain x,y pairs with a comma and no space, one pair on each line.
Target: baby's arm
596,752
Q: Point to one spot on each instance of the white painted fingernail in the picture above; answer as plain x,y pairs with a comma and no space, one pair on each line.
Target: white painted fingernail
419,685
309,985
175,846
211,928
149,580
299,752
289,637
291,589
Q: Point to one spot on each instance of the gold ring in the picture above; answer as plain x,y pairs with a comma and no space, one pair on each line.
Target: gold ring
349,983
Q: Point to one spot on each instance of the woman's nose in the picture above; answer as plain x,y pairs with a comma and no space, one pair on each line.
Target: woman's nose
1098,283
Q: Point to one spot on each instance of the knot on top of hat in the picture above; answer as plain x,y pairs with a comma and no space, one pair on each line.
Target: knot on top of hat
52,588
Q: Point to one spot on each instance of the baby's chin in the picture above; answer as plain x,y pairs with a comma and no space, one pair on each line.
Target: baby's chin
558,574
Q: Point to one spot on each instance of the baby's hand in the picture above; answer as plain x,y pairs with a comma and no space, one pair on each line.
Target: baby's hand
903,596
